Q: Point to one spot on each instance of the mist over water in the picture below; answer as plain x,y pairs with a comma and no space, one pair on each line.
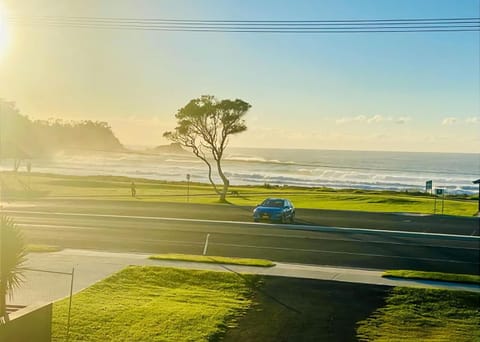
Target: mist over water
397,171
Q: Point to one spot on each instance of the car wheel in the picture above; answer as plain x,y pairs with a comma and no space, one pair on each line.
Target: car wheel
292,219
283,219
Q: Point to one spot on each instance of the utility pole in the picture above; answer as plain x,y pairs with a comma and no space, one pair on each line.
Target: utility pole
478,182
1,197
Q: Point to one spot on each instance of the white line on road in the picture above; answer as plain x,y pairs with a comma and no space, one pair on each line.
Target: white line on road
284,226
26,224
347,253
206,245
191,243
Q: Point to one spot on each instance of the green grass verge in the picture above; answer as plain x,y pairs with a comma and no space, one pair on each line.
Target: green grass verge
214,259
458,278
424,315
20,186
166,304
34,248
156,304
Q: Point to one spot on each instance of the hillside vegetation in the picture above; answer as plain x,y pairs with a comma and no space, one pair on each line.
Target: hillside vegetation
23,138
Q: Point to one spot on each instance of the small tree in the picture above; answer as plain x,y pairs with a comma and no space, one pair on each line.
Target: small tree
205,125
12,256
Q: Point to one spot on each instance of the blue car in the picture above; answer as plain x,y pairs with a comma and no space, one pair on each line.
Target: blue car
275,210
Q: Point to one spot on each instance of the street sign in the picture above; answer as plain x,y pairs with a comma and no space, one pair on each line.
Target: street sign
428,185
439,193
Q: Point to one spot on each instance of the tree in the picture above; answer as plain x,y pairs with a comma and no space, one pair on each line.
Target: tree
205,125
12,256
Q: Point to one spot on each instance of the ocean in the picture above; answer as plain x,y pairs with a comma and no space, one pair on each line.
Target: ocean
397,171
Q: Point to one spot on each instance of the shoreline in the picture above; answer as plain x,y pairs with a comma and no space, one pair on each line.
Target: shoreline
374,171
23,186
265,185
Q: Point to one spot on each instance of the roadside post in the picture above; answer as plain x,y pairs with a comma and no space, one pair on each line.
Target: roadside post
439,192
71,274
429,186
188,187
70,304
478,182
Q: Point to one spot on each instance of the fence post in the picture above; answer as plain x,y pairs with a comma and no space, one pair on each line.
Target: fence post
70,305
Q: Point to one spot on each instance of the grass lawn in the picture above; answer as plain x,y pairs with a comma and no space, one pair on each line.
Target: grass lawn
459,278
36,186
167,304
424,315
35,248
292,309
156,304
214,259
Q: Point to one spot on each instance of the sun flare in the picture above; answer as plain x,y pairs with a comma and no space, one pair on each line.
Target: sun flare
3,32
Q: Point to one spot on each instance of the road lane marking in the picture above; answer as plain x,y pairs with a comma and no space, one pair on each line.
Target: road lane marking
191,243
284,226
25,224
347,253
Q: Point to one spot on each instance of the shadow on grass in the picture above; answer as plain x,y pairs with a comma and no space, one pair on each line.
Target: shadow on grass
256,287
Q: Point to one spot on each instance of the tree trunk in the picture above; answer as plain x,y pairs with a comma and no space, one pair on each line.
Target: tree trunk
226,182
210,177
196,152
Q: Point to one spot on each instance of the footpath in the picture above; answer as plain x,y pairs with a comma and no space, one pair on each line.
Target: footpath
45,280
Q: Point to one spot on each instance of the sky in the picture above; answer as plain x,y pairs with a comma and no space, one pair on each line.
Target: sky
383,91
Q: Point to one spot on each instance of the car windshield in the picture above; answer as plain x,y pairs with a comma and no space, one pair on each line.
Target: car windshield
273,203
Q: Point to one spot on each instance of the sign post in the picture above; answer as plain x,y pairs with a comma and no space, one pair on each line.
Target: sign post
429,186
439,192
188,187
478,182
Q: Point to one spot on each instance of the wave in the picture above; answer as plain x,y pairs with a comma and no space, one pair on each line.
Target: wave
249,159
247,169
184,161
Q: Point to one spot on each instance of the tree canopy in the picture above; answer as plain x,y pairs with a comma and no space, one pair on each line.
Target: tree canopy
204,126
23,138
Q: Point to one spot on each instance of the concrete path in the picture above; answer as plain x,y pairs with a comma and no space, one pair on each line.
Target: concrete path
93,266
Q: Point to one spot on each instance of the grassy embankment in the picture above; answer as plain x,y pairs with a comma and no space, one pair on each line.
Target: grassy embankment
156,304
450,277
214,259
412,314
165,304
37,186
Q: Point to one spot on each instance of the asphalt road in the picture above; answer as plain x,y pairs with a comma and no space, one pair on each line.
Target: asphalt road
132,229
336,218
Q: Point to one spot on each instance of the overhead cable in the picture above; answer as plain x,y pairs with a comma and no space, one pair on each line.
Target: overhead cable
255,26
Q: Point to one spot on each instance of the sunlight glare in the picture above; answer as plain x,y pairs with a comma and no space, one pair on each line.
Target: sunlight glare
3,32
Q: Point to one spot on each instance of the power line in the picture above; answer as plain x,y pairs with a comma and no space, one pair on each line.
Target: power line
245,21
257,26
373,25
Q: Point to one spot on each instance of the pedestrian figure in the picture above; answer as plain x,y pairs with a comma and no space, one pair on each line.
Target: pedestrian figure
134,189
29,166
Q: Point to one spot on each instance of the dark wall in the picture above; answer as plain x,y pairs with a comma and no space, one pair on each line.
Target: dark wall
31,324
